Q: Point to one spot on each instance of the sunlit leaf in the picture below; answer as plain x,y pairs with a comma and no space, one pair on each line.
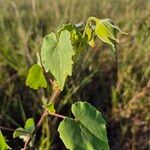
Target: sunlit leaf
36,77
105,32
90,33
57,53
29,125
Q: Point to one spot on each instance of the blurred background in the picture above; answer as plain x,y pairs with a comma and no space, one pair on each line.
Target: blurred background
118,87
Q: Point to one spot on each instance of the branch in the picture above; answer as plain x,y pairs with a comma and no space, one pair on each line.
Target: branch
57,115
53,98
7,129
10,129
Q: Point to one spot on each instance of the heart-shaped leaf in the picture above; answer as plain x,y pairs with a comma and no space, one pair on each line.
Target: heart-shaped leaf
57,53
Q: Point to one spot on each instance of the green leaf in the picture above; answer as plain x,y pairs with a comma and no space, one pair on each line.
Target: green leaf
106,32
3,144
23,133
29,125
86,131
77,41
36,77
57,53
113,31
50,107
19,132
90,34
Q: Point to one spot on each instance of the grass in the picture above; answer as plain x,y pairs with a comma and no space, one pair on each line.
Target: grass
119,89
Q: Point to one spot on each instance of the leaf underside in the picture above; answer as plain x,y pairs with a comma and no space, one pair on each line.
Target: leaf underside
106,32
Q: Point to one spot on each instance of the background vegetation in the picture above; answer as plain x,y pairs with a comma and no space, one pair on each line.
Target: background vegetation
120,88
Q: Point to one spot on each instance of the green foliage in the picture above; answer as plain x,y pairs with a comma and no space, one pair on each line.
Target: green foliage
57,53
50,107
59,49
3,144
104,29
36,77
28,26
19,132
23,133
29,125
86,131
90,33
77,41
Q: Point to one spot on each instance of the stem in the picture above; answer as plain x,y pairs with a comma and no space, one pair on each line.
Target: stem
53,98
84,32
45,113
87,23
57,115
9,129
55,93
35,130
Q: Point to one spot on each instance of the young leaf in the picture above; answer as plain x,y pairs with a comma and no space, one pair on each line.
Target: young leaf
3,144
29,125
86,131
77,41
57,53
90,33
36,77
113,30
23,133
19,132
50,107
106,32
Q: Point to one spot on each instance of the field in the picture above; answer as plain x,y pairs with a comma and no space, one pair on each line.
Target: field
117,86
